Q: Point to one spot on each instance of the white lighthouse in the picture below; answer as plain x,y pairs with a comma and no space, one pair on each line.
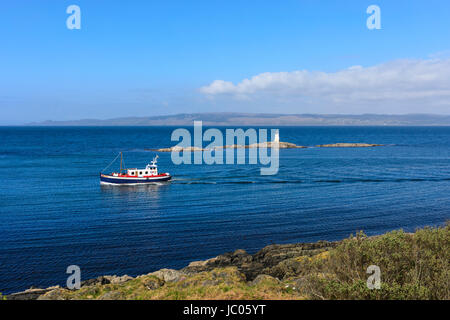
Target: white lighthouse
276,138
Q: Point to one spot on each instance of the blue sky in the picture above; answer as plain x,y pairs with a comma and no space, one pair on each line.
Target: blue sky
143,58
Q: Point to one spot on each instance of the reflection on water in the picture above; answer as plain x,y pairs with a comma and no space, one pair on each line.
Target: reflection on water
151,191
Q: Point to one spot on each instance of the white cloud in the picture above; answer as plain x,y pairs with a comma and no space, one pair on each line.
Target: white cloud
397,81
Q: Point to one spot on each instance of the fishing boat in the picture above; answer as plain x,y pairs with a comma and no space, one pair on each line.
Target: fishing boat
134,176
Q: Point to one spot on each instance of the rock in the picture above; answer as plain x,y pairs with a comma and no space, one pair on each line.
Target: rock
348,145
273,261
168,275
264,261
300,283
236,258
111,295
264,278
153,283
117,279
198,264
267,258
239,252
210,283
228,276
225,275
178,149
102,280
30,294
56,294
270,144
285,269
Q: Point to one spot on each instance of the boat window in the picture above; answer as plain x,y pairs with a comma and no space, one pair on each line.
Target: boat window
140,172
132,173
146,172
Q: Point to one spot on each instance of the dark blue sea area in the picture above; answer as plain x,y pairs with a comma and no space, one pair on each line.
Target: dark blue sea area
54,213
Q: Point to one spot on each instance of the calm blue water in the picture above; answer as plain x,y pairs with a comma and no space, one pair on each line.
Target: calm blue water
54,213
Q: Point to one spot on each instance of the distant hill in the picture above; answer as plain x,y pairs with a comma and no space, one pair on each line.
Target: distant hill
262,119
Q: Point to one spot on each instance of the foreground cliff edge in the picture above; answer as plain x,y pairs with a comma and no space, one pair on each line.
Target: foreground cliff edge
413,266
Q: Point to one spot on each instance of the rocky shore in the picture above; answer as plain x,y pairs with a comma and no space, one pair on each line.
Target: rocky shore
413,266
269,264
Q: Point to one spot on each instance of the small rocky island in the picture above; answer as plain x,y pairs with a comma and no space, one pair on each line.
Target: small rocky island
271,144
281,145
415,266
348,145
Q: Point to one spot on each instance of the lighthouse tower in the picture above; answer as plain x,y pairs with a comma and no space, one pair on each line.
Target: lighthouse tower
276,138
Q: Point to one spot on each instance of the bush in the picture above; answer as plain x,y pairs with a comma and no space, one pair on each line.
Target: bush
413,266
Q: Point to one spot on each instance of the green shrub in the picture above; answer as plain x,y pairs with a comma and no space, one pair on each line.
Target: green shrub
413,266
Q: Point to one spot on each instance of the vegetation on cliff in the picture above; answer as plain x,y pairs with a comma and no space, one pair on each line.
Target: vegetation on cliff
413,266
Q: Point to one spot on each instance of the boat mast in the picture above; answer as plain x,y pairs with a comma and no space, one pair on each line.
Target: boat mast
121,159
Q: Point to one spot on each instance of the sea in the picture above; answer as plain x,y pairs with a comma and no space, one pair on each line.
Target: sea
54,213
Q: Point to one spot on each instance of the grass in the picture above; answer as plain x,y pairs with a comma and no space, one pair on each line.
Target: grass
413,266
221,284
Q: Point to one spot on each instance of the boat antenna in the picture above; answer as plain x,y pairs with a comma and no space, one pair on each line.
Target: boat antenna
155,159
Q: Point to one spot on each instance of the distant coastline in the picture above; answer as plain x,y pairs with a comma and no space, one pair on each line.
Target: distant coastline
262,119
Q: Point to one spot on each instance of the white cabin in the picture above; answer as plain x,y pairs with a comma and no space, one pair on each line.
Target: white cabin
150,170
